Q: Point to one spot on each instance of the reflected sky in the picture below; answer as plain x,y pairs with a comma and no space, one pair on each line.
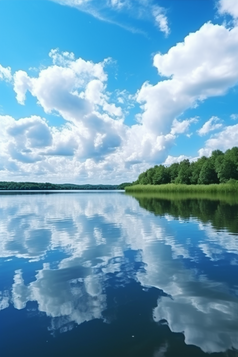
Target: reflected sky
74,259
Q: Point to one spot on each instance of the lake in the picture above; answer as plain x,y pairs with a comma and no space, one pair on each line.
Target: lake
109,274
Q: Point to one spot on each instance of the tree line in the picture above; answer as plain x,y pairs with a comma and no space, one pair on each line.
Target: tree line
218,168
6,185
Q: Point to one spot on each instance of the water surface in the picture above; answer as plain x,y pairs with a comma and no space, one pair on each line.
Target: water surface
106,274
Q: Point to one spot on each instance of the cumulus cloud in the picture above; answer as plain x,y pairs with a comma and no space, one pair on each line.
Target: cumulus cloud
33,130
21,85
229,7
75,89
94,137
95,143
59,152
180,127
72,87
212,124
197,68
226,139
61,86
24,139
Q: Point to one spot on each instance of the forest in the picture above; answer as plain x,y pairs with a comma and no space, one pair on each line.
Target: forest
218,168
6,185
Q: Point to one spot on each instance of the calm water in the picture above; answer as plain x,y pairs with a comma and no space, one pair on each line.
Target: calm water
106,274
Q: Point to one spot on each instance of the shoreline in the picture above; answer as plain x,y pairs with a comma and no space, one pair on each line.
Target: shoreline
182,188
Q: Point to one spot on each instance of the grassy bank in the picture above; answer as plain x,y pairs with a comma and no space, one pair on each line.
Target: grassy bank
180,188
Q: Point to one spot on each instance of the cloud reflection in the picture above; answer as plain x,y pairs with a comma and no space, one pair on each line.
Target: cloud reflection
94,233
70,293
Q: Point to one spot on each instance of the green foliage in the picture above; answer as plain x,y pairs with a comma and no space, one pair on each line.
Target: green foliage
4,185
173,171
123,185
219,168
161,175
184,173
227,169
196,169
171,187
208,173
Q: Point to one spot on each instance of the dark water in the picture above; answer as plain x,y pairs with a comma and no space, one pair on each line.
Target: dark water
105,274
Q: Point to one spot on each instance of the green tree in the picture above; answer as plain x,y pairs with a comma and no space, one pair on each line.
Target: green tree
226,170
173,171
143,179
150,175
161,175
208,173
232,154
184,172
216,154
196,168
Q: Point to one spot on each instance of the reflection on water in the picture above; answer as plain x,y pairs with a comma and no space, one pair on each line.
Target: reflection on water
220,211
99,274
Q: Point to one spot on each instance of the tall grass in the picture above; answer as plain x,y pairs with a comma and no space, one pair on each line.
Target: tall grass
181,188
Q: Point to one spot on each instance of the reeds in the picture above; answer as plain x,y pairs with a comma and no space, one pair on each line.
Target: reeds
181,188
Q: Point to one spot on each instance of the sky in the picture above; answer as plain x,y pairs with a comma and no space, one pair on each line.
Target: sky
98,91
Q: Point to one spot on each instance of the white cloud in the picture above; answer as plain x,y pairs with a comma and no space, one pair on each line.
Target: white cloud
32,140
93,139
224,140
212,124
161,19
5,73
72,87
234,116
75,89
175,159
108,10
94,143
22,84
180,127
198,68
23,140
118,4
229,7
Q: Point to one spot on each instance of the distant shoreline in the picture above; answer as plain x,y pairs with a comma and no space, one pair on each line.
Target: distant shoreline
7,192
47,186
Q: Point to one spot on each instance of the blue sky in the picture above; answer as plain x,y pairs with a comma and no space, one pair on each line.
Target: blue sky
97,91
